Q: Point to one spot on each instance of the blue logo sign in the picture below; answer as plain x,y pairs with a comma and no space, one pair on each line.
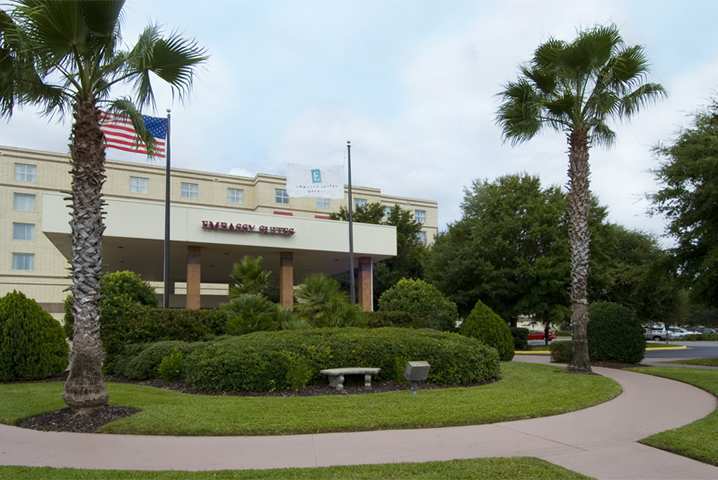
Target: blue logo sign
316,175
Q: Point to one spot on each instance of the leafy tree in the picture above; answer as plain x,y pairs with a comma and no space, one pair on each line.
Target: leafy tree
510,249
410,252
576,88
69,56
688,197
248,277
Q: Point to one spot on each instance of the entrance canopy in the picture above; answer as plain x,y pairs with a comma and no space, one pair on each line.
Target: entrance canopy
133,239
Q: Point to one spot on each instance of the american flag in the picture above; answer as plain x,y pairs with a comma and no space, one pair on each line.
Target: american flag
120,133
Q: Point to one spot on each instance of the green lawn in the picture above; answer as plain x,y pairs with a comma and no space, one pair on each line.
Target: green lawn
485,468
524,391
699,439
708,362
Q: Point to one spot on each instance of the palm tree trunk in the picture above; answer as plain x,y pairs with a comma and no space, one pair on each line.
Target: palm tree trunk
580,239
85,387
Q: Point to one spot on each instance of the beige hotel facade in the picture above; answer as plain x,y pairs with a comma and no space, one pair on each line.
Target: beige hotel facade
216,219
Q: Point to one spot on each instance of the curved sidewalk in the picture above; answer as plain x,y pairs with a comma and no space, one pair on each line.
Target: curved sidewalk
599,441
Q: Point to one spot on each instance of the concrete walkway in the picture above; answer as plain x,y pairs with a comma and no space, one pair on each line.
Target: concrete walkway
598,441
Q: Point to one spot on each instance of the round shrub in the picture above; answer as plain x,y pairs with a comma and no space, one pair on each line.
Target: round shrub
142,362
614,334
32,343
561,351
266,361
171,367
486,325
428,307
521,338
387,319
248,313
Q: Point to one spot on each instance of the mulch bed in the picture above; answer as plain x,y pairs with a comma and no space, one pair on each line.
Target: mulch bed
68,420
350,387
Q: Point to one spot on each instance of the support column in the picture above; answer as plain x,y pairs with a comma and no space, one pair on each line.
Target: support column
194,277
286,280
366,284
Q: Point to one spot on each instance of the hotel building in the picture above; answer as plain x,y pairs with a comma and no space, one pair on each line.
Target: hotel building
216,219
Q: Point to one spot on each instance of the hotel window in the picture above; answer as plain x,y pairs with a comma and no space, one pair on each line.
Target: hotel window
23,261
23,202
323,203
420,216
189,191
422,237
25,173
280,195
139,184
360,202
235,196
23,231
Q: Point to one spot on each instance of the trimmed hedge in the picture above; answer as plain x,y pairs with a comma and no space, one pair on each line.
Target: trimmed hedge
426,305
142,361
521,338
485,325
32,343
614,334
561,351
267,361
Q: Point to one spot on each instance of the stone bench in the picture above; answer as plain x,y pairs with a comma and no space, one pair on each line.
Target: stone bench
336,375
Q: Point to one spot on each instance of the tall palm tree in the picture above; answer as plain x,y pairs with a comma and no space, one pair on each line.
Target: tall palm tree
576,88
66,56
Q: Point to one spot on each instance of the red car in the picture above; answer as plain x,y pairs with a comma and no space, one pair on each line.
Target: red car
538,335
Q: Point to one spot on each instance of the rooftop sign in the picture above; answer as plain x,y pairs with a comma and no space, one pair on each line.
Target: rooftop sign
247,228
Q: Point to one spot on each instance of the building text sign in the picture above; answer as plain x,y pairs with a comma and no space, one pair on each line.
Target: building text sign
247,228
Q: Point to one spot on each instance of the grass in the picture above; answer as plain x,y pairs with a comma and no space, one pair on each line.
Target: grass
708,362
698,440
521,393
488,468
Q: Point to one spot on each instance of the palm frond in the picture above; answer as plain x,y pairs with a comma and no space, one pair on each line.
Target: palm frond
125,106
602,134
629,68
640,97
172,58
519,113
597,45
546,56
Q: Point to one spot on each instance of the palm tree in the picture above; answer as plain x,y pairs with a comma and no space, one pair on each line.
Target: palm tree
66,57
576,88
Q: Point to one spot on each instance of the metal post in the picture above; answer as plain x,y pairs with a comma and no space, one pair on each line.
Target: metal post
350,206
166,266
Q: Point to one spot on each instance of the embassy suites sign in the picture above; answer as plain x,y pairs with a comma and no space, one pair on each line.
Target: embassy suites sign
247,228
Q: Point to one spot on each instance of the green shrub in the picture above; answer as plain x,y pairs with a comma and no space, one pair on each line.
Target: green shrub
561,351
388,319
265,361
521,338
171,367
712,337
321,303
248,277
299,372
32,343
142,362
248,313
484,324
614,334
426,305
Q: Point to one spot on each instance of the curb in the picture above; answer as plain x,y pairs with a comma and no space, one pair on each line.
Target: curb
648,349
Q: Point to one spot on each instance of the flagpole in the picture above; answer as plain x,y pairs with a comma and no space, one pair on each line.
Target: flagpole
352,288
166,249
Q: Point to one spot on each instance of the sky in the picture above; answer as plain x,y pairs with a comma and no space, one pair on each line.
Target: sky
412,84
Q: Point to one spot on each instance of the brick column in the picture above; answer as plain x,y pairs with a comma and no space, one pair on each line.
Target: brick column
366,284
286,280
194,277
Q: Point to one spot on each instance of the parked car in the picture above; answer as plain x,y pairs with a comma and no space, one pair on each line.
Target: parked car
678,332
706,330
539,335
656,333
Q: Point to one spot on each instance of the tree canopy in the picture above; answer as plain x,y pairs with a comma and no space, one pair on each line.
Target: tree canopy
688,197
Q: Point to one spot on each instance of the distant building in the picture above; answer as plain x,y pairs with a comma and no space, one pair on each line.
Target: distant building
216,219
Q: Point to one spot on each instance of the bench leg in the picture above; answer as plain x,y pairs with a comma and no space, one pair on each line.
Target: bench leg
367,382
337,381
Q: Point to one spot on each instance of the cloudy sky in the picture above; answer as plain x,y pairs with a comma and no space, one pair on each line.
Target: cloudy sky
413,84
